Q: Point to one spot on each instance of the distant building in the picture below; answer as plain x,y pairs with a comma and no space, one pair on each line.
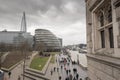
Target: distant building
46,40
15,37
61,42
103,39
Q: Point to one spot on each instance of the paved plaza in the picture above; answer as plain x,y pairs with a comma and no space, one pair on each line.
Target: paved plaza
56,69
75,55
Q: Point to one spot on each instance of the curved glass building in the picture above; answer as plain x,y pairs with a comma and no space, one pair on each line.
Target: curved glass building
46,40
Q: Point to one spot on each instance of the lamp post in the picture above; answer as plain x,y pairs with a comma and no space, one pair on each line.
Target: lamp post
24,69
78,59
24,62
0,60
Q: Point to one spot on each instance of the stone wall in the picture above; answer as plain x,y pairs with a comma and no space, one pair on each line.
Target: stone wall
105,65
97,70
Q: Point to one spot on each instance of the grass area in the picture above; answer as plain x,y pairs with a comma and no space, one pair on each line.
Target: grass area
53,56
38,63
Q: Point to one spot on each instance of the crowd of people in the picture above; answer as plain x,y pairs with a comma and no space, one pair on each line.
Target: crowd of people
64,64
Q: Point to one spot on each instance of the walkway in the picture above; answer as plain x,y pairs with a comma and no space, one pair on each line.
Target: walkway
82,73
16,72
81,57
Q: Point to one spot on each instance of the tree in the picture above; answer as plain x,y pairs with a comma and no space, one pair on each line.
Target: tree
24,47
2,47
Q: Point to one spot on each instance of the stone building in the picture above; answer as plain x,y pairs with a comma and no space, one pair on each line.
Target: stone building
103,39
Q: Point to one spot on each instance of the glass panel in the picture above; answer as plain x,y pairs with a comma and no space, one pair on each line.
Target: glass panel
101,20
102,39
111,37
110,15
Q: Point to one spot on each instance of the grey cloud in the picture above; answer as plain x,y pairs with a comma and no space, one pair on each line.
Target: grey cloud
50,14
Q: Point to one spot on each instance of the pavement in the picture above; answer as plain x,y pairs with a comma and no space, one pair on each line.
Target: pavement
62,72
18,70
75,55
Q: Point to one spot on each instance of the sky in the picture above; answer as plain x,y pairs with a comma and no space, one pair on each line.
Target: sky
64,18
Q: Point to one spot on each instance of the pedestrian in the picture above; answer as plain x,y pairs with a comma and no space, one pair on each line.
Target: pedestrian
61,66
9,74
51,72
56,60
19,78
68,64
74,78
77,76
67,78
65,68
57,69
54,69
71,76
59,77
69,70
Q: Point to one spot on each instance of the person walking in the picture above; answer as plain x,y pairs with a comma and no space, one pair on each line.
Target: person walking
74,78
9,74
61,67
59,77
67,72
57,69
70,76
19,78
54,69
51,72
77,76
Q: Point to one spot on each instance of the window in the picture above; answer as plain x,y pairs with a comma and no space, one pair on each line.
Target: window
109,14
111,37
102,39
101,20
103,15
117,4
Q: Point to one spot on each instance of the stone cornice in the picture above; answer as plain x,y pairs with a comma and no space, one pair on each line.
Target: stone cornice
116,2
95,4
112,61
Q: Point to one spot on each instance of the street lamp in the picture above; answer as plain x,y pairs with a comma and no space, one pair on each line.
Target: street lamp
78,59
24,62
0,60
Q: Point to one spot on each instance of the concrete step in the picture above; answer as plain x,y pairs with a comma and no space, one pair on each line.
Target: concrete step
35,71
32,77
36,75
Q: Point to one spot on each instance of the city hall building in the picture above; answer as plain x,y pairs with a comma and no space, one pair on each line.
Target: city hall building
47,41
103,39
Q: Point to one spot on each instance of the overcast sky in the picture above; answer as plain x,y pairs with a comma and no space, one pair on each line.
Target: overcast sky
65,18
